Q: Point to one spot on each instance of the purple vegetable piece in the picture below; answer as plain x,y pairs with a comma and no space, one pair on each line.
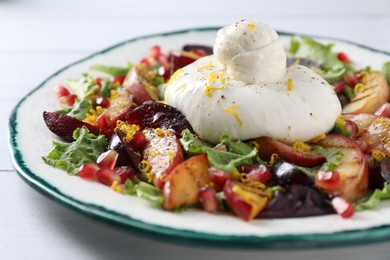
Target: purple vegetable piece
191,47
64,125
158,115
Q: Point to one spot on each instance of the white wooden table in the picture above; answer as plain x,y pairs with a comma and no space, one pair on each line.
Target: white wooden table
38,37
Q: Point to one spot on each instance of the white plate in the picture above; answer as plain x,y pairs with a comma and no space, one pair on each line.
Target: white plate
30,140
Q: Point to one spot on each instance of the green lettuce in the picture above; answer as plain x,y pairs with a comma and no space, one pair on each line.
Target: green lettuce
340,130
83,87
332,68
80,108
192,144
386,71
372,200
70,156
144,190
333,159
236,154
112,70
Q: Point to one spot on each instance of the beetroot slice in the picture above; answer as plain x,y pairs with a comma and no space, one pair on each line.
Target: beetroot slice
158,115
64,125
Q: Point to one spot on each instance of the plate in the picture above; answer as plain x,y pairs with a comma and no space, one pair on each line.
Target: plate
30,139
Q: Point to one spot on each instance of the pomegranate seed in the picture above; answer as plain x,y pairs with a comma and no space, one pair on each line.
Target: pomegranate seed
146,62
163,60
164,71
328,179
107,159
107,176
68,100
62,91
260,173
343,207
88,171
102,101
155,52
139,140
125,173
339,87
384,110
118,80
219,178
98,81
103,122
208,199
343,57
351,79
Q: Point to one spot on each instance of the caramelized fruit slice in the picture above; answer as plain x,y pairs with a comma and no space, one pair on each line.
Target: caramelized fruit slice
373,130
161,154
352,168
140,85
269,146
185,182
371,94
244,201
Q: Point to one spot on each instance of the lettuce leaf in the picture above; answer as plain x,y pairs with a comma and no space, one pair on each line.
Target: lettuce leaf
192,144
236,154
229,161
371,201
70,156
144,190
112,70
386,71
332,68
333,159
83,87
80,108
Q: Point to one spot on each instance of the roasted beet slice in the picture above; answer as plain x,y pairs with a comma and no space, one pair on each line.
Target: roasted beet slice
64,125
177,60
133,152
158,115
196,47
123,157
297,201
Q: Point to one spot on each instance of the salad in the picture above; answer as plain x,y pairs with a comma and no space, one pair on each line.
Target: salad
174,129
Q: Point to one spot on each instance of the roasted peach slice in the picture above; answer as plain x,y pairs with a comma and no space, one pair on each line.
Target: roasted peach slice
186,181
246,202
370,94
373,131
161,154
139,84
269,146
353,169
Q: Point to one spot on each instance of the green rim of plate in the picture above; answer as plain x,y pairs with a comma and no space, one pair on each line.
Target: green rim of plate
284,242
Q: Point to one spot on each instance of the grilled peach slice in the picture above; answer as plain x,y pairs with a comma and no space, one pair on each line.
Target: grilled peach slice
269,146
139,84
373,130
161,154
373,93
185,182
245,202
352,169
